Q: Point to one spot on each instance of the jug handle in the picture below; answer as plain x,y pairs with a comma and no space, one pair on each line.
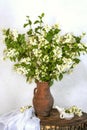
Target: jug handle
35,90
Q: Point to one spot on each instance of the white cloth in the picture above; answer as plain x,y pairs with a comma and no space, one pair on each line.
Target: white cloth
16,120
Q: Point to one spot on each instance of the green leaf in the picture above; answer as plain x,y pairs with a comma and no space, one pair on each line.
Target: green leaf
25,25
78,39
60,76
30,22
57,31
77,60
29,32
27,17
42,15
50,83
7,32
37,21
37,29
49,37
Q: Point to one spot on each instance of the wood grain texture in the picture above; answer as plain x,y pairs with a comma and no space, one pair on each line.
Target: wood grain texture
53,122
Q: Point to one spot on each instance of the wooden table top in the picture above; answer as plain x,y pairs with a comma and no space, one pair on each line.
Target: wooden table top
54,119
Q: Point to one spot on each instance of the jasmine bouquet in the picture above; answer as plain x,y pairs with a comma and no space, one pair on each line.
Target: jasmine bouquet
75,110
42,53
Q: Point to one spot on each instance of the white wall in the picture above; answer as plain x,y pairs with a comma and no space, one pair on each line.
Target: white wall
72,17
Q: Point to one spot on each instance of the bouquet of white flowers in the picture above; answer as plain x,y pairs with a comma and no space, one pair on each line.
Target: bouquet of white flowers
42,53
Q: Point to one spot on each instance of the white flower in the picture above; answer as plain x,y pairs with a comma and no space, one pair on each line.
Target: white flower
10,53
21,70
46,58
15,34
68,38
67,61
75,110
65,67
25,60
35,52
47,28
58,52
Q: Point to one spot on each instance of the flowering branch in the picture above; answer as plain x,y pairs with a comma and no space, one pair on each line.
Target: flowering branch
42,53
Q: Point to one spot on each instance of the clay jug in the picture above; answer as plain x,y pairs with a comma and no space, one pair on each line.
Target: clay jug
42,100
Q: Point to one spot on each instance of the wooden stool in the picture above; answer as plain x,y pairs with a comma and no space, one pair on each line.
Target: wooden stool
53,122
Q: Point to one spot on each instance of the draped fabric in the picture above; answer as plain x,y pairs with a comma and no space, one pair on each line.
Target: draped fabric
17,120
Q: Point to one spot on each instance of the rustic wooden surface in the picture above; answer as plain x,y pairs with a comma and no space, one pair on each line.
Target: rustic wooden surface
53,122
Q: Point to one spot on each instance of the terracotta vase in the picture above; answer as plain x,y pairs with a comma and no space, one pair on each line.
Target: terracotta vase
42,100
